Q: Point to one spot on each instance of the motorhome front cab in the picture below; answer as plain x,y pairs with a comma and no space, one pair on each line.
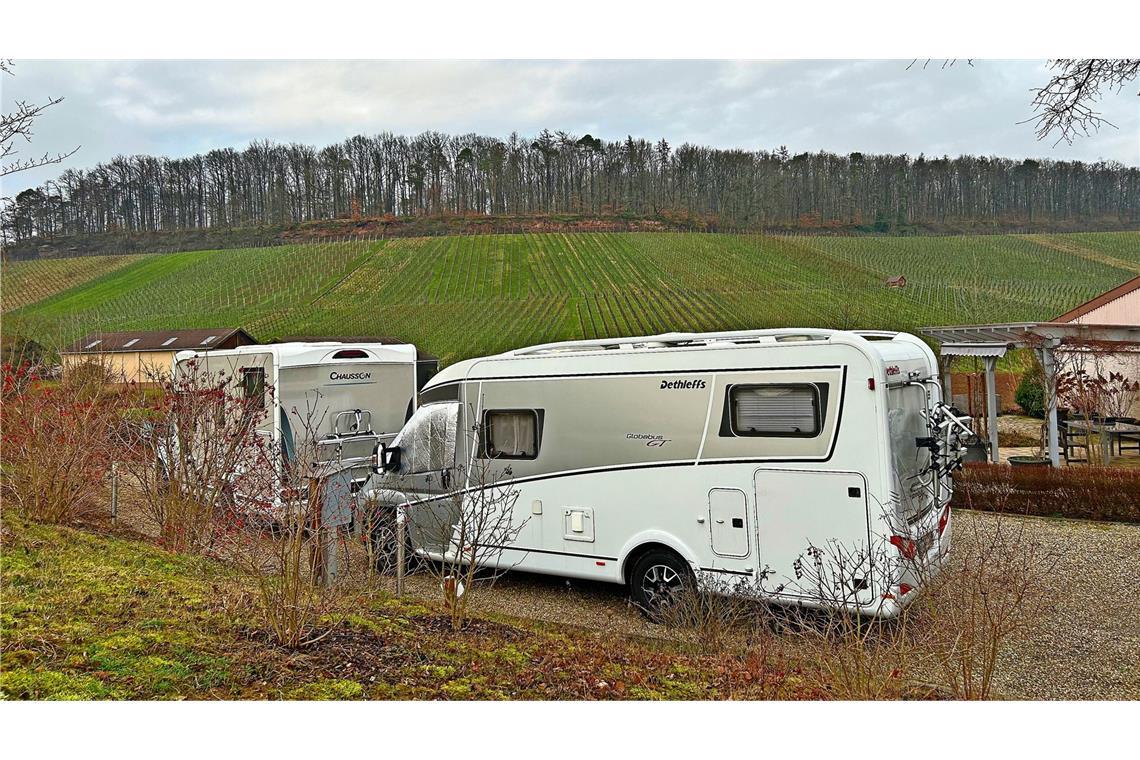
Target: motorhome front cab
339,398
799,464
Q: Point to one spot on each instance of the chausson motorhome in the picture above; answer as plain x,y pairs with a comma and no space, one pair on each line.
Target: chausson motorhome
345,397
807,466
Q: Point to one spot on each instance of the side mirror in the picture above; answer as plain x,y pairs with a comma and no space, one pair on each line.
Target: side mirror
387,459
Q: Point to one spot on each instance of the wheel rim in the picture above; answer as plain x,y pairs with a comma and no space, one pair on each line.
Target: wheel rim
659,584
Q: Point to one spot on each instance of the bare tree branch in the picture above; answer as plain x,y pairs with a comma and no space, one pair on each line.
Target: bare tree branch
1065,104
19,124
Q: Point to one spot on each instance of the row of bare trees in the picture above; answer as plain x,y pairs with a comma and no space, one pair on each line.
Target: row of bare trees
557,172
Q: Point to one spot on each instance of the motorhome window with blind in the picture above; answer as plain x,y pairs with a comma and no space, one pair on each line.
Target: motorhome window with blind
253,386
775,410
510,434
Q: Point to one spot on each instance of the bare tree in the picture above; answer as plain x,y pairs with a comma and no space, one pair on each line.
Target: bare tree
1065,105
18,124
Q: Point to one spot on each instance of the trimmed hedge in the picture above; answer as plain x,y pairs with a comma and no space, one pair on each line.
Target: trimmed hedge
1090,493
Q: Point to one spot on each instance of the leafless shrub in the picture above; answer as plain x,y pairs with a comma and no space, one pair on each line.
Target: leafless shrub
188,451
461,517
58,443
855,656
993,590
721,617
287,533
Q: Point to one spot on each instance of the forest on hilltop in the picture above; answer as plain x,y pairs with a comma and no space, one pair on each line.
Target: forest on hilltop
435,174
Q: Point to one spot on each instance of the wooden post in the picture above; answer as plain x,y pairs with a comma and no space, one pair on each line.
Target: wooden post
114,492
329,567
400,538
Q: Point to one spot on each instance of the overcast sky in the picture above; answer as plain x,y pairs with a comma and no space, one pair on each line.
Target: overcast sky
177,108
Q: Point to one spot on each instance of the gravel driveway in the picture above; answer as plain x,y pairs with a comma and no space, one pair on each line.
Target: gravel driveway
1088,649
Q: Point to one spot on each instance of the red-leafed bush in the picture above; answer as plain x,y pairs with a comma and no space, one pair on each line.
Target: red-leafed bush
1092,493
59,440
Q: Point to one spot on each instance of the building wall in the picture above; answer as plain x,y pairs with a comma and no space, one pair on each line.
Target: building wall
124,366
1122,311
1126,363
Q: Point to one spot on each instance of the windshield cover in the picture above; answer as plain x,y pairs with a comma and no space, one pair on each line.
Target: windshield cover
905,423
427,441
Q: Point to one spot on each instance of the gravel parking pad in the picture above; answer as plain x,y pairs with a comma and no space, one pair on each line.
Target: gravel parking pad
1088,648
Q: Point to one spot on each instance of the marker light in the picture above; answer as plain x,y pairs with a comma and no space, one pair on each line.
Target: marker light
905,546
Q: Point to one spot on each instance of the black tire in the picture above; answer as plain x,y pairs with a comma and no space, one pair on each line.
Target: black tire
656,579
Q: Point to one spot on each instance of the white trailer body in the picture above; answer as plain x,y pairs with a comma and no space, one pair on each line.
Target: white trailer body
347,397
735,452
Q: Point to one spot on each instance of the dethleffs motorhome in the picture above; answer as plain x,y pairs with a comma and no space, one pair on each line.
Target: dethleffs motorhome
346,397
740,456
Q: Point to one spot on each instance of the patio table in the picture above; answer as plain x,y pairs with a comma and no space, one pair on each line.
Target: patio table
1106,432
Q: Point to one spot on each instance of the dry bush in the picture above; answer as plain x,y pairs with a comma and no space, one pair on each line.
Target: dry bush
718,616
994,589
213,480
859,658
287,559
59,440
185,453
855,657
469,527
286,533
461,532
991,589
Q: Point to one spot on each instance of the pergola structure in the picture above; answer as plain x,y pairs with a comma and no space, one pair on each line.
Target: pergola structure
991,342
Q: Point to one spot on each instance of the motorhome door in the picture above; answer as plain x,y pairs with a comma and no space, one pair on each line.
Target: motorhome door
798,510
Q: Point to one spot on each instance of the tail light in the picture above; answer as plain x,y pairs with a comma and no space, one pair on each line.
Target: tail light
905,546
944,520
905,588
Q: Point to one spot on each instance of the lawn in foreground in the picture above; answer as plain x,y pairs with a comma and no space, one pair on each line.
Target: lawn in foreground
95,616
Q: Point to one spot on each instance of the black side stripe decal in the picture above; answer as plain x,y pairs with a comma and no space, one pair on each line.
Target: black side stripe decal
546,551
508,482
722,570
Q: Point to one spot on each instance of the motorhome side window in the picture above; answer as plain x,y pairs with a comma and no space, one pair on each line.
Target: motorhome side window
253,386
510,434
790,410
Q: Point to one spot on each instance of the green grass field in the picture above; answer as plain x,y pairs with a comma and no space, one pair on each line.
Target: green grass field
463,296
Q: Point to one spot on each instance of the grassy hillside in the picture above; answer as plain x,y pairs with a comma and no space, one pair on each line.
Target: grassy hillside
460,296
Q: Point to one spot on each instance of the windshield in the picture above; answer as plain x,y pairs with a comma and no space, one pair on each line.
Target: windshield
905,423
427,441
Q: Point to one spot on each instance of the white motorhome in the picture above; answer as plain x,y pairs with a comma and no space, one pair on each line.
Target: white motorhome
733,456
347,396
